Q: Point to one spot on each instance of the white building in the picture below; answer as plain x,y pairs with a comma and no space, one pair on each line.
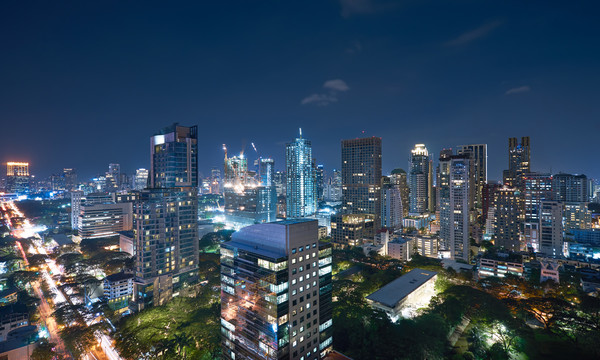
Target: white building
551,228
391,207
118,289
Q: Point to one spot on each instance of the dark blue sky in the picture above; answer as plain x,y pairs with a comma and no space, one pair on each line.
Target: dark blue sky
85,83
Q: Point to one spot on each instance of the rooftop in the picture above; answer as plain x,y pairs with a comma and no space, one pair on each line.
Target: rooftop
392,293
118,276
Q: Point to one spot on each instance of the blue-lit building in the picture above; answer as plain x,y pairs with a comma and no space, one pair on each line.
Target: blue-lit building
301,179
276,293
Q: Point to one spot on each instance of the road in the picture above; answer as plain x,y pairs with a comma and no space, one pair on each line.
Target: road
104,349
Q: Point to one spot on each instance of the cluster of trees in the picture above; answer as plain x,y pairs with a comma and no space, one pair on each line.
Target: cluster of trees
209,243
184,328
494,318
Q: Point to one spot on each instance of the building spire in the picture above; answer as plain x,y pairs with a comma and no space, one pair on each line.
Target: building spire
300,132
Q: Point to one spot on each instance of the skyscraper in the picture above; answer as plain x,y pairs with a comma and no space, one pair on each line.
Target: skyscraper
70,179
141,179
361,177
454,204
398,178
478,155
17,177
320,174
418,180
276,292
551,228
537,188
266,171
519,162
115,171
166,219
301,179
508,220
570,188
391,206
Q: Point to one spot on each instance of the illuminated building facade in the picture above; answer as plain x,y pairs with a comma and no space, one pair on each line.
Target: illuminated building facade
551,228
508,218
519,162
391,207
351,229
538,188
577,216
250,205
301,179
455,179
418,180
361,178
570,188
17,177
398,178
103,220
141,179
166,219
276,293
478,155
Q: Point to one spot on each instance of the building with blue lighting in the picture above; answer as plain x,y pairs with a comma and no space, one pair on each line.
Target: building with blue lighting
301,179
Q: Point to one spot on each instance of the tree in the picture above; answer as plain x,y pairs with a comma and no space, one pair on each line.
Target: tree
21,279
44,350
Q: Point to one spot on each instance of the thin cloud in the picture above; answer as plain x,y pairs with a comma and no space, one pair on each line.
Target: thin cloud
472,35
337,84
334,87
518,90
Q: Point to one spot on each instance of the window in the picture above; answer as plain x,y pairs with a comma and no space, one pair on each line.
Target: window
293,250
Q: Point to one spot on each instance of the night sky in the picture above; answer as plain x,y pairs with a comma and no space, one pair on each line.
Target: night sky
86,83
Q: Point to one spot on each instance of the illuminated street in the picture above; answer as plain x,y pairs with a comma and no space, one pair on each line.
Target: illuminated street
26,229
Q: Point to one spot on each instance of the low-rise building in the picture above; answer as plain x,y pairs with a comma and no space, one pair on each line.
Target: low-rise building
549,271
400,248
500,265
403,296
118,289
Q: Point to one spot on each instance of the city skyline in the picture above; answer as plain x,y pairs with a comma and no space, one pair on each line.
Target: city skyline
433,80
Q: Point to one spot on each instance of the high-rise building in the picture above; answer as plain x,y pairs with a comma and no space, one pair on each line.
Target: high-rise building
266,171
391,206
454,204
276,293
398,178
349,230
508,220
537,188
333,187
361,177
478,155
166,219
418,180
115,171
570,188
141,179
320,174
17,177
577,216
519,162
70,179
301,179
551,228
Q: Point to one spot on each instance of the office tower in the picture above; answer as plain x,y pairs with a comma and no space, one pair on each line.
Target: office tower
577,216
301,179
98,220
249,204
519,162
76,199
391,205
280,183
398,178
508,218
478,155
570,188
320,174
349,230
115,172
487,198
141,179
166,219
266,171
454,204
361,177
430,189
70,179
537,188
276,293
333,188
551,228
17,177
418,180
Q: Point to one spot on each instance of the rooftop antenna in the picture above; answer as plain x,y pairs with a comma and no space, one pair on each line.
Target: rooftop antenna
300,132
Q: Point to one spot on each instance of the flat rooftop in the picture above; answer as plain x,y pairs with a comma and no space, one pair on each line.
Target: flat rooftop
391,294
